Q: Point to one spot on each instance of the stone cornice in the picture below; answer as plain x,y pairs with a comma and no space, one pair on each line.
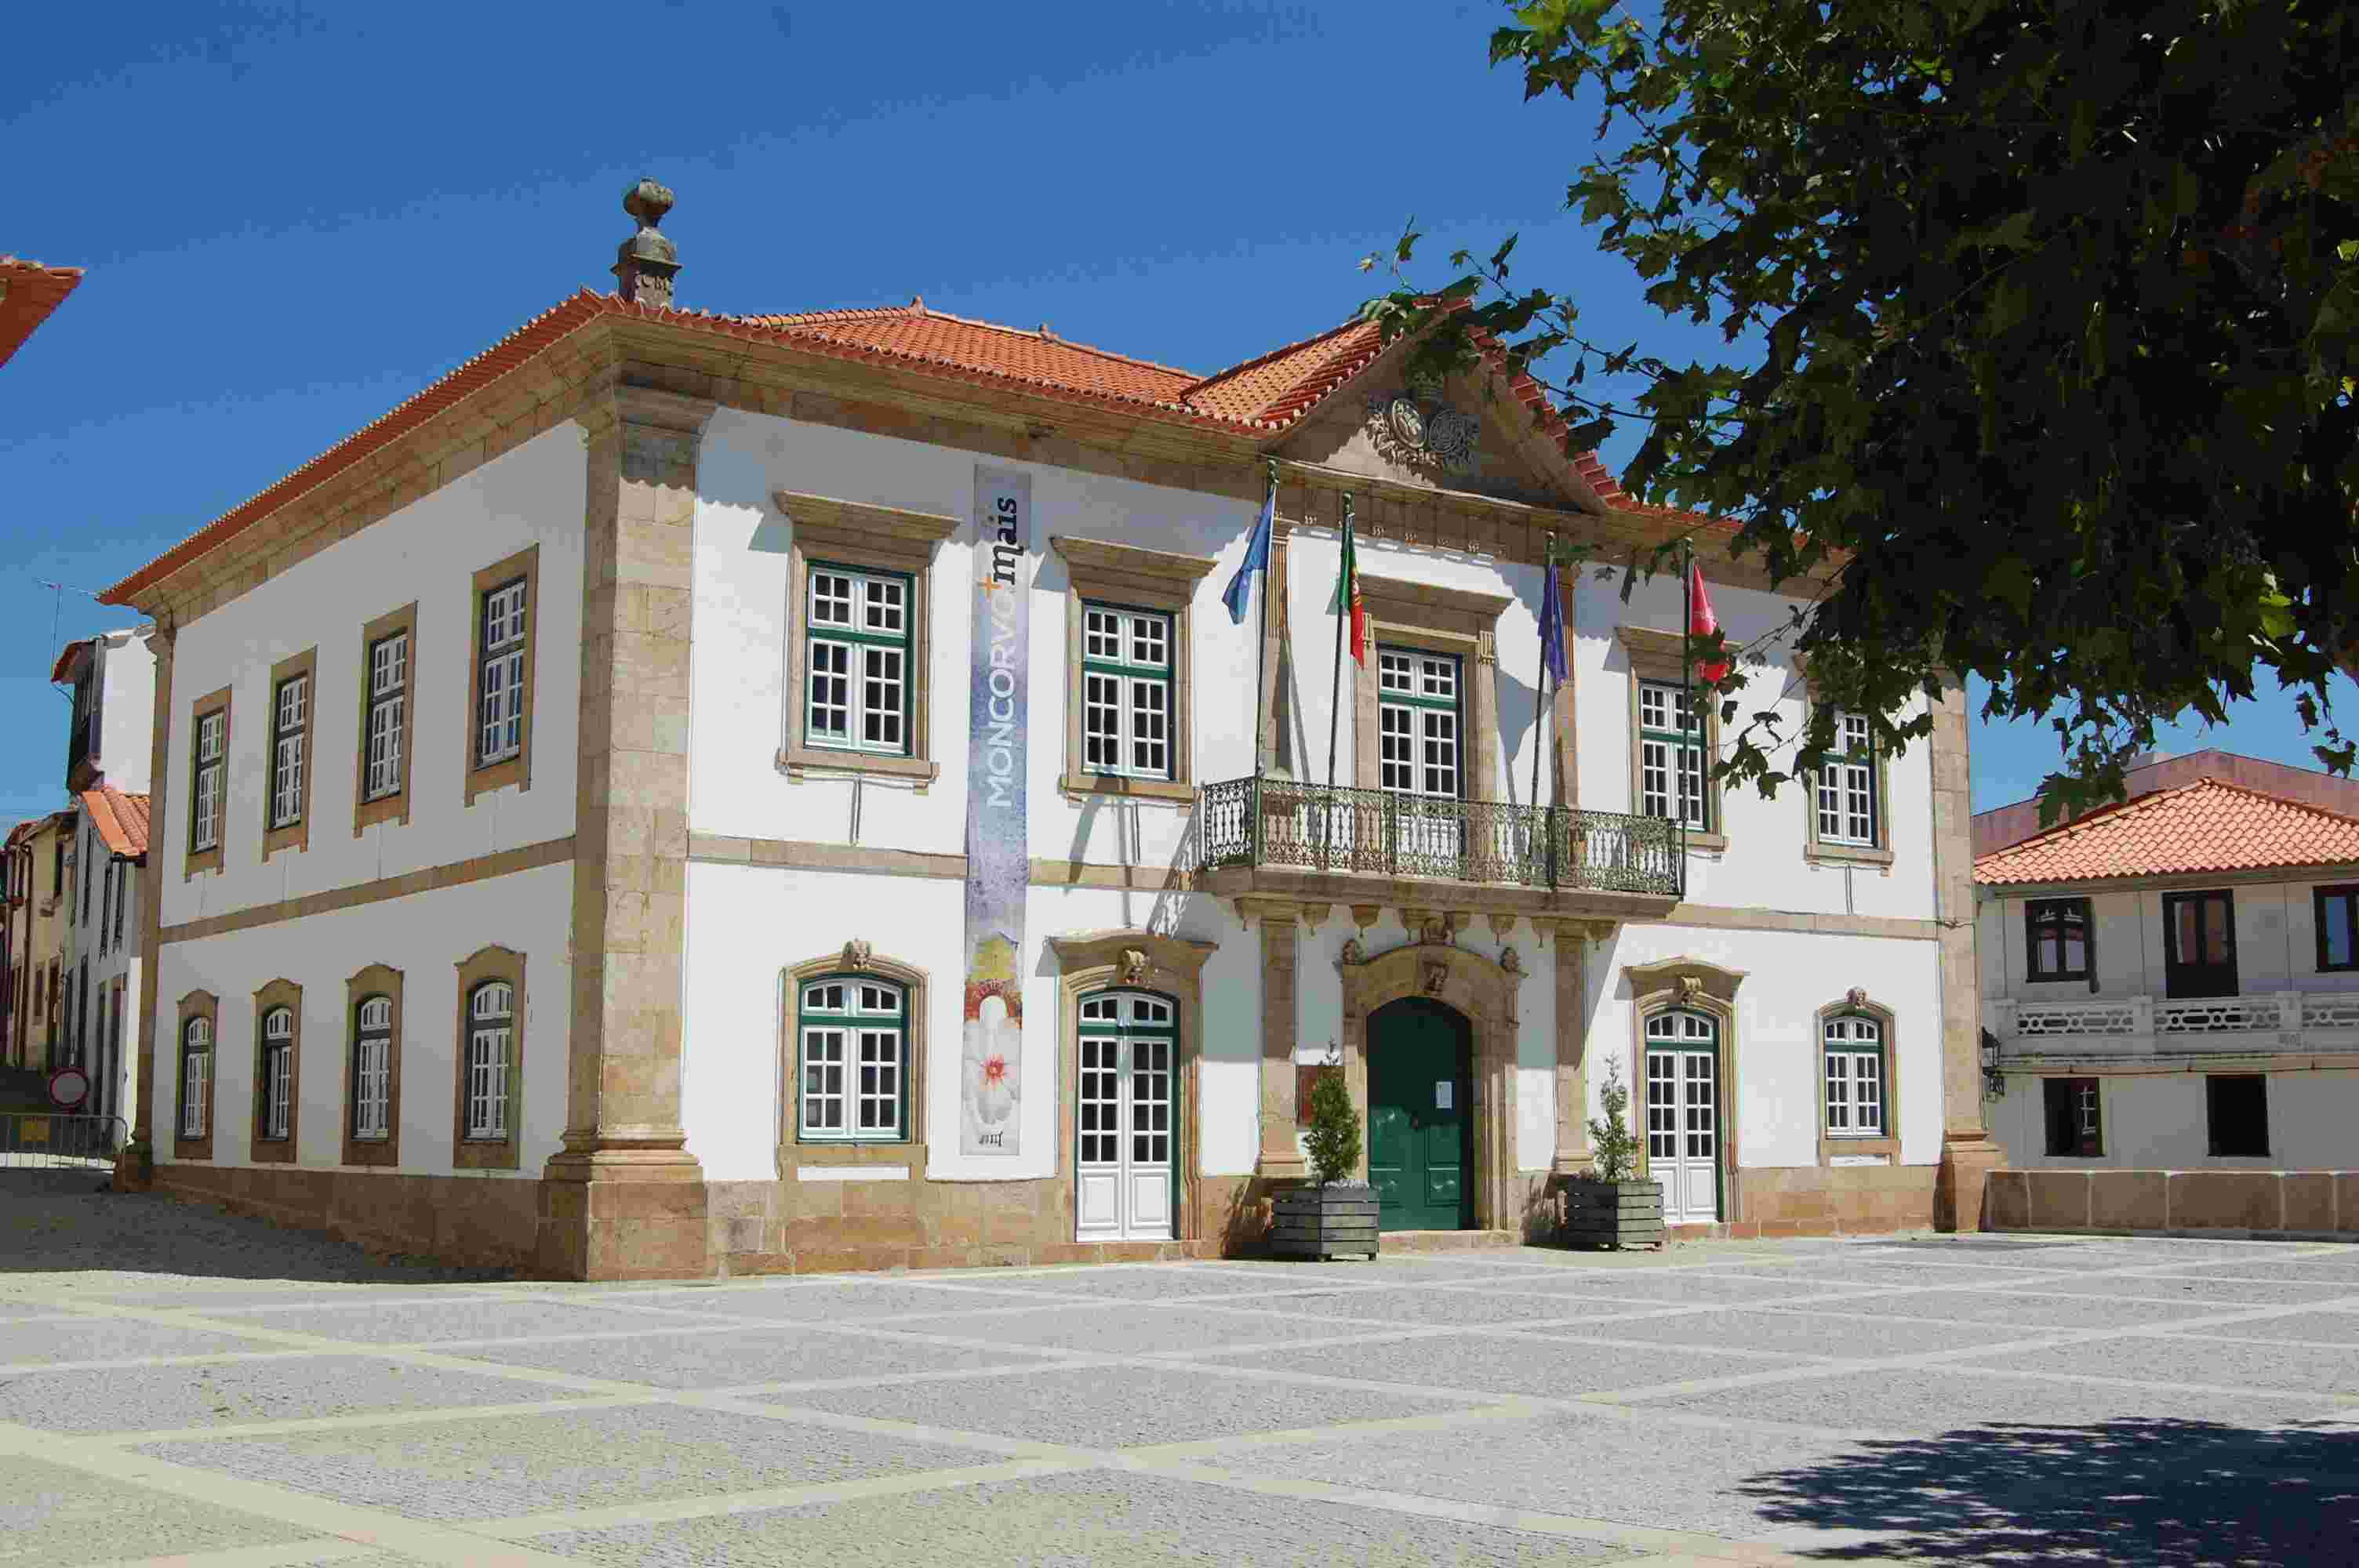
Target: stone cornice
1103,558
1402,602
821,519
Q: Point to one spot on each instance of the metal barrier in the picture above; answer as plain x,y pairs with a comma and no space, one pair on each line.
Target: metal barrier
41,1141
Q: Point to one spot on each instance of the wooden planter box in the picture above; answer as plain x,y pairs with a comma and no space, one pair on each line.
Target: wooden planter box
1323,1222
1613,1214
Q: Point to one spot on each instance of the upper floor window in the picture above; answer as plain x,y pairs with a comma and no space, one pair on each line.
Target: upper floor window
500,668
1846,803
389,714
857,636
85,873
205,798
1671,775
1419,735
853,1037
2056,936
289,726
1854,1077
1125,692
2336,912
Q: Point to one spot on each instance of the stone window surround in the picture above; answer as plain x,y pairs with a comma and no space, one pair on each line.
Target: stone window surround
1130,577
1434,619
1131,959
487,963
853,960
1858,1005
377,979
193,1006
1815,849
1662,656
885,538
208,860
517,769
1704,987
261,1150
295,835
394,808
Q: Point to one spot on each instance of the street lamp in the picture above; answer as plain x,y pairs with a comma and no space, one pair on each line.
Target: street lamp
1994,1081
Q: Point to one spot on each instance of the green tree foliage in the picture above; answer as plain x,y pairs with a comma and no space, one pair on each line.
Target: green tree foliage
1612,1145
1334,1141
2056,307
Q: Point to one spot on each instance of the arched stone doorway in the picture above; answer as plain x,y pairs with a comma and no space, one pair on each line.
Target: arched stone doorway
1473,988
1420,1117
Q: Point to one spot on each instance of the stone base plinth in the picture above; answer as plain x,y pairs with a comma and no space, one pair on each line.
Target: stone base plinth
1960,1196
471,1221
2293,1205
645,1223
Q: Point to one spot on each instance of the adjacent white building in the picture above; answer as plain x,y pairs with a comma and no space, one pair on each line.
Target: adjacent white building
694,791
2172,984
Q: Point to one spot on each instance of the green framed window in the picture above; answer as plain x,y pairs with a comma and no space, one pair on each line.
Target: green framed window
856,629
1670,756
1856,1078
1847,806
1126,705
1419,735
852,1043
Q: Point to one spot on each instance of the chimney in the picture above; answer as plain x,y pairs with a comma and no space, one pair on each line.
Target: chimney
645,264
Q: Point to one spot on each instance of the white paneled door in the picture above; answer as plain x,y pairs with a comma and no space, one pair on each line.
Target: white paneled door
1122,1184
1683,1115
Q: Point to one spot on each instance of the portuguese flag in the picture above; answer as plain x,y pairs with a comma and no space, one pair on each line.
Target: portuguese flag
1347,594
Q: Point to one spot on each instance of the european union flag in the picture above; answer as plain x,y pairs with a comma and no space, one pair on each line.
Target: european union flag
1256,560
1552,623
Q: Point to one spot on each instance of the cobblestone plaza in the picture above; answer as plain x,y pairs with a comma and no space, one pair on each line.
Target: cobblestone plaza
176,1386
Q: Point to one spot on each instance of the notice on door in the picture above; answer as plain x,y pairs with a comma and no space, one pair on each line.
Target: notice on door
1441,1094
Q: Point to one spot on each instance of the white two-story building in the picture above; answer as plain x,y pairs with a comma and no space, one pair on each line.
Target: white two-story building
782,792
2172,987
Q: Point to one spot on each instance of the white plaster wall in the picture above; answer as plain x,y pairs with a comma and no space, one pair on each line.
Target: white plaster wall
429,552
1789,978
2161,1122
743,624
425,937
746,924
128,711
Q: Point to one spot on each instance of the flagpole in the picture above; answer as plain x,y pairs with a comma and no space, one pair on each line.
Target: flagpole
1686,695
1261,648
1539,687
1335,682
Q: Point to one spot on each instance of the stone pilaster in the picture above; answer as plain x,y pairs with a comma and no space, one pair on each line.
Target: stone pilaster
163,838
625,1197
1572,1157
1280,1157
1968,1155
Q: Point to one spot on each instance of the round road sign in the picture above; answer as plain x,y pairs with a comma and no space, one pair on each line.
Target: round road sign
69,1086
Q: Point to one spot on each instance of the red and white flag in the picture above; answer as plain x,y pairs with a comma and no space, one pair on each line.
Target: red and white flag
1703,623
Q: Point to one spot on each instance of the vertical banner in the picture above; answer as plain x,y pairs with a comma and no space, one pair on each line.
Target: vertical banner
998,850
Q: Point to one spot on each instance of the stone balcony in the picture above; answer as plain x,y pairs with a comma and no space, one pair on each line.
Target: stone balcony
2098,1030
1321,844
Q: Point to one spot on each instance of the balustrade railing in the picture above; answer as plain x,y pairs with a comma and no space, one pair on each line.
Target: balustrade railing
2034,1022
1309,826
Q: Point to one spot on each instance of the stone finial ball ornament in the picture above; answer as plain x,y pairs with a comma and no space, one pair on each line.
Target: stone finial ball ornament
648,202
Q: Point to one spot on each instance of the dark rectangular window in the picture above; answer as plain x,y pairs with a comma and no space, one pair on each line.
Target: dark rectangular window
2337,909
2074,1128
2056,935
2237,1112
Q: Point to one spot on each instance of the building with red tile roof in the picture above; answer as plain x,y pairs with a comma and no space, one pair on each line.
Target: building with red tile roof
29,293
2208,827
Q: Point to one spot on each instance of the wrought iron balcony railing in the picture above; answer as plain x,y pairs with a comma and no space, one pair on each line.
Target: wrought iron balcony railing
1315,827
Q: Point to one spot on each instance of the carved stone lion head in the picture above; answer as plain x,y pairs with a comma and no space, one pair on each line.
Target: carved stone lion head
856,954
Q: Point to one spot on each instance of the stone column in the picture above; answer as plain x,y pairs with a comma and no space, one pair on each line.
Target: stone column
1968,1155
1280,1157
1573,1156
162,837
625,1197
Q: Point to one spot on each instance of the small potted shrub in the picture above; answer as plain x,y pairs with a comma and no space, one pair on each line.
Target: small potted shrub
135,1167
1334,1216
1607,1207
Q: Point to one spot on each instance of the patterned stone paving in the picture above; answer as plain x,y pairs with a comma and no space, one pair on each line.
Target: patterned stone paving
2093,1402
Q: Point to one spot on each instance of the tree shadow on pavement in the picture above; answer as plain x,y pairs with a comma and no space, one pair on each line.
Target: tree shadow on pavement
2157,1492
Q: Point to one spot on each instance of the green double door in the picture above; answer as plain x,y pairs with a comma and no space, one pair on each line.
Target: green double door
1420,1137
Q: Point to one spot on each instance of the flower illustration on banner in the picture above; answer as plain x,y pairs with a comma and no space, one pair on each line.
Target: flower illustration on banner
993,1037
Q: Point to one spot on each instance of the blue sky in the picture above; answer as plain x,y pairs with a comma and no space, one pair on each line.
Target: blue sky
292,220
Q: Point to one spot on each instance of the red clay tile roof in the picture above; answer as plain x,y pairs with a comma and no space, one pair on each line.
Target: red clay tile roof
28,292
2205,827
1257,400
121,819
